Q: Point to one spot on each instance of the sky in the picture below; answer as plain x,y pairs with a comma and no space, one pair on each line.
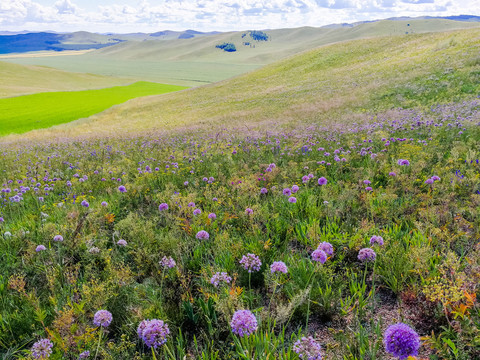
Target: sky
125,16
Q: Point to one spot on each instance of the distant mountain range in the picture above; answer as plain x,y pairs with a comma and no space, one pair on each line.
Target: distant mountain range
25,41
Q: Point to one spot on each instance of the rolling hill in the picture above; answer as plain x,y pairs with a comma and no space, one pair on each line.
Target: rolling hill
324,85
21,80
196,61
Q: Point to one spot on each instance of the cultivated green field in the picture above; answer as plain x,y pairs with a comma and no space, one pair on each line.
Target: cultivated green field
193,62
24,113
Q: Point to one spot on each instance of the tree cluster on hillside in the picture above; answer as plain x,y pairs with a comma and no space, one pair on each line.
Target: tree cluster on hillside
229,47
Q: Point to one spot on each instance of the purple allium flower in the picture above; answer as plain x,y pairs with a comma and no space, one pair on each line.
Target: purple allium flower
367,182
376,239
153,332
326,247
435,178
251,262
85,203
403,162
58,238
263,191
104,204
122,189
248,211
322,181
121,242
292,199
287,192
102,318
202,235
366,254
40,248
295,188
401,341
220,277
308,349
305,179
84,355
278,266
191,204
319,255
197,212
243,323
215,199
368,188
168,262
1,219
42,349
429,181
212,216
185,183
163,206
392,173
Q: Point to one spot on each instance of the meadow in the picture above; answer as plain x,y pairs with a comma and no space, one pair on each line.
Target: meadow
189,229
323,207
21,114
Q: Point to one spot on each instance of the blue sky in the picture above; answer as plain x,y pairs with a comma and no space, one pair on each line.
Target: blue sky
124,16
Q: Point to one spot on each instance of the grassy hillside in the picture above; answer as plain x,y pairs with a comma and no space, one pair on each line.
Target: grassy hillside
325,85
20,80
196,61
24,113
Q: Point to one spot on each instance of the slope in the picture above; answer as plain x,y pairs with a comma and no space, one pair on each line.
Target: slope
342,81
196,61
20,80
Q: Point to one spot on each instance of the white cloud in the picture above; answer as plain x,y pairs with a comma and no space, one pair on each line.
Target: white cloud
145,15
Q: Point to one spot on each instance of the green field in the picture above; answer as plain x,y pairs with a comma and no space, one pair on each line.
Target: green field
25,79
24,113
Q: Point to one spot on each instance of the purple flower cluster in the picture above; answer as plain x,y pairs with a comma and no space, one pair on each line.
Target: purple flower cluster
40,248
102,318
42,349
319,255
220,277
366,254
84,355
322,181
326,247
308,349
168,262
122,242
401,341
202,235
163,207
153,332
376,239
292,199
58,238
243,323
251,262
403,162
278,266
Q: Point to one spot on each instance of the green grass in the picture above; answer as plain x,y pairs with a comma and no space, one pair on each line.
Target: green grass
22,80
24,113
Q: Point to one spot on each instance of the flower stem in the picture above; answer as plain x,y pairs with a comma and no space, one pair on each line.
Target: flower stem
99,340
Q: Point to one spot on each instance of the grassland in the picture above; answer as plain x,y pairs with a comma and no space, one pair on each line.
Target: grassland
21,80
193,62
299,199
24,113
349,80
